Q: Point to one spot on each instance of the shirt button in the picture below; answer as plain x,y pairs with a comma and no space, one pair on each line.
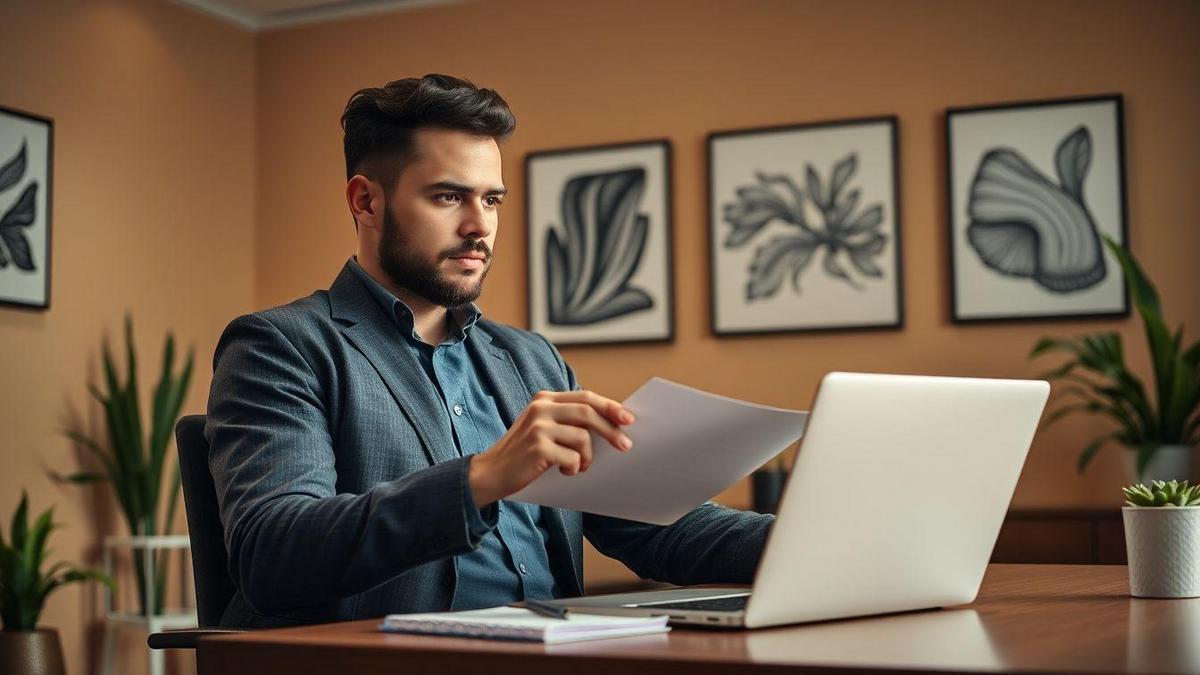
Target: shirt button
458,409
523,569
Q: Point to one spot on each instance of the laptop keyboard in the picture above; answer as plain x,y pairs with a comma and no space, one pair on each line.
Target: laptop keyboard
727,604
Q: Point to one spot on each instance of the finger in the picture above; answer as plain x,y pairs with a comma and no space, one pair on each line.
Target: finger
584,415
577,439
567,460
613,410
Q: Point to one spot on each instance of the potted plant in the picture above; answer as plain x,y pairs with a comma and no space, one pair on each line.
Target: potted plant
24,586
1162,539
134,461
1160,429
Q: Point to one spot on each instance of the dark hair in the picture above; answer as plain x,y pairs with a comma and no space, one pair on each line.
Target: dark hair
379,122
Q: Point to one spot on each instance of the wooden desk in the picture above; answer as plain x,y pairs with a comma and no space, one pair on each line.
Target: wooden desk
1028,618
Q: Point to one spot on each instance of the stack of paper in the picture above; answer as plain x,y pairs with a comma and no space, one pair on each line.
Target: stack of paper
516,623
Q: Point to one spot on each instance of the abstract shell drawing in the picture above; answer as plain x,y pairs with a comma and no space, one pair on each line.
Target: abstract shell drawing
1025,225
804,228
599,229
26,149
1033,186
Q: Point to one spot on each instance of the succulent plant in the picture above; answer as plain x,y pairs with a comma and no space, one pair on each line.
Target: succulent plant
1161,493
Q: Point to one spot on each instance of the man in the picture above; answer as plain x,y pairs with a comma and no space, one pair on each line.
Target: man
363,439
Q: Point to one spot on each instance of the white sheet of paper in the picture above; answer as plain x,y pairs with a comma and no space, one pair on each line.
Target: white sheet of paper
688,446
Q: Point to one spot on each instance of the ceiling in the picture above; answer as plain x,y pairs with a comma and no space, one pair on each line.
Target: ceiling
257,15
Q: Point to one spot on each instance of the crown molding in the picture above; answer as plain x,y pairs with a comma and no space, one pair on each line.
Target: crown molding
229,11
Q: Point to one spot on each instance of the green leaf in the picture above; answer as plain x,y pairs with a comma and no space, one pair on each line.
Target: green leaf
1059,372
20,523
1048,344
1089,451
1066,410
133,405
83,477
160,422
35,547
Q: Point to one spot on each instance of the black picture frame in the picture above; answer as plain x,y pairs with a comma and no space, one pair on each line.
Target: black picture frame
614,158
25,247
889,152
961,310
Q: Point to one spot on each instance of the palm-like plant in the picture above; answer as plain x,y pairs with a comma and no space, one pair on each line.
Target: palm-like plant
133,462
1099,381
24,586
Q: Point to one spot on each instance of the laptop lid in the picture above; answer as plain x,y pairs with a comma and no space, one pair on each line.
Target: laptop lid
897,495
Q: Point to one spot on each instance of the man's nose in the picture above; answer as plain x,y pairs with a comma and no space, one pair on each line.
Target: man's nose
477,222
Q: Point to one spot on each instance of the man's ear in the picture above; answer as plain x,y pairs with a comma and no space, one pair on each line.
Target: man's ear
365,199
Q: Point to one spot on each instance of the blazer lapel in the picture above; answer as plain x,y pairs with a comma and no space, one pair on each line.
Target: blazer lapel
500,375
373,334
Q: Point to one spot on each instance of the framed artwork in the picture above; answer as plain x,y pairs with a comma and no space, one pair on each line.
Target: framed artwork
804,228
599,242
26,158
1032,188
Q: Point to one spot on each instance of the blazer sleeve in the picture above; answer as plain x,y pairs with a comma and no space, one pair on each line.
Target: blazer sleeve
710,544
292,540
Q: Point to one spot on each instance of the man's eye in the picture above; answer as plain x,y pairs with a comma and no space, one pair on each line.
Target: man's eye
449,197
494,201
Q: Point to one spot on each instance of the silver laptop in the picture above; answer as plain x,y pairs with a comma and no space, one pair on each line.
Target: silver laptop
893,504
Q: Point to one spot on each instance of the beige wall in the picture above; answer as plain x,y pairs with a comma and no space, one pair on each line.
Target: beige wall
586,73
153,109
159,153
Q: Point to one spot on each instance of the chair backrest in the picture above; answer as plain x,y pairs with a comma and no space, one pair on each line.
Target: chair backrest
214,586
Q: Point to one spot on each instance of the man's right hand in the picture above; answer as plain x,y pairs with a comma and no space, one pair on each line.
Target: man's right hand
552,431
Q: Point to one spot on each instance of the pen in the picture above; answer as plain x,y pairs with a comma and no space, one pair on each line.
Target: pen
542,608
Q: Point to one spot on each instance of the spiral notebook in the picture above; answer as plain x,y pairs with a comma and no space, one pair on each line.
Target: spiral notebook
517,623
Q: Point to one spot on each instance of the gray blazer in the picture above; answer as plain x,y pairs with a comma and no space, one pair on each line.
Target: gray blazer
340,486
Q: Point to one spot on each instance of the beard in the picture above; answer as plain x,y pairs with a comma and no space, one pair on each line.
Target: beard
408,270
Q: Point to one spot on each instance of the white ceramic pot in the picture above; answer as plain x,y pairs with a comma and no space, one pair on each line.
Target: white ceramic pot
1163,544
1170,462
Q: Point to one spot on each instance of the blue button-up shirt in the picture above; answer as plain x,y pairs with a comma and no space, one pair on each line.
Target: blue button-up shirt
511,562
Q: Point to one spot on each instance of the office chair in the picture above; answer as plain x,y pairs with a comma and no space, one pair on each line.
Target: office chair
214,586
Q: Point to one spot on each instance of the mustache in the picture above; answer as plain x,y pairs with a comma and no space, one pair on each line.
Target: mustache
470,246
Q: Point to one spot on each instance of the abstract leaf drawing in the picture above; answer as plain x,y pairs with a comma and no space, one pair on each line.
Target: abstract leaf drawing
14,246
844,231
589,267
1023,224
599,263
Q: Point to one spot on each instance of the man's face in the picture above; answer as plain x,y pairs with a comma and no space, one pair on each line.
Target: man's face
439,223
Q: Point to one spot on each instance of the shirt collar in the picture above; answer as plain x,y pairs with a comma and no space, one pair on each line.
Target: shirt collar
465,316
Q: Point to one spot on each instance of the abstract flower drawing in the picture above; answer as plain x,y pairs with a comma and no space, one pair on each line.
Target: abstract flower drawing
823,217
